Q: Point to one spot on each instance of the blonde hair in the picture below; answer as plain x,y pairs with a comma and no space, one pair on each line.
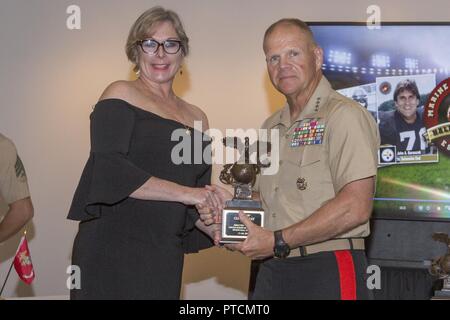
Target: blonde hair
141,27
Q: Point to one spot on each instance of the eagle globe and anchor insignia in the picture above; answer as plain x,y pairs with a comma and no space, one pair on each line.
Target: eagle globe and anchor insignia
437,117
301,184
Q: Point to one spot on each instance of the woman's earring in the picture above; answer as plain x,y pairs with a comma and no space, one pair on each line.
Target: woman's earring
181,71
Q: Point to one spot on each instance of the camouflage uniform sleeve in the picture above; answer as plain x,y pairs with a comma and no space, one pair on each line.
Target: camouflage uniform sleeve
13,179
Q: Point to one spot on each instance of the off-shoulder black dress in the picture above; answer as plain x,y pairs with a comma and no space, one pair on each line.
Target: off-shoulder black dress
128,248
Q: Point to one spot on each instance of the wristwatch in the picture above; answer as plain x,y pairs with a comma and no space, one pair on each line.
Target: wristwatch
281,248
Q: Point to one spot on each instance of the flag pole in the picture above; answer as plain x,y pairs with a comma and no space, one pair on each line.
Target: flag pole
7,276
10,268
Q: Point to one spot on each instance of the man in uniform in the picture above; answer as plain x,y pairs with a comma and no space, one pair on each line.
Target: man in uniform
317,206
14,194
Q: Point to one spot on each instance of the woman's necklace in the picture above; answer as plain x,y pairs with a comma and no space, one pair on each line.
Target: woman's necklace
179,106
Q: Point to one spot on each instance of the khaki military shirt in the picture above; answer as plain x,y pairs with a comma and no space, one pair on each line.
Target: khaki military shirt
333,142
13,179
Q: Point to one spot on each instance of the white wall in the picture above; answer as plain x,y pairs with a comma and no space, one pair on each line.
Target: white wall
51,76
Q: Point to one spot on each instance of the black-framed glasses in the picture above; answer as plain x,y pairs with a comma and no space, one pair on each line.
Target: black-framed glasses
151,46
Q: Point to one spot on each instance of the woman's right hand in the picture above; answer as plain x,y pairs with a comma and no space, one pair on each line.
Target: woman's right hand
211,215
201,197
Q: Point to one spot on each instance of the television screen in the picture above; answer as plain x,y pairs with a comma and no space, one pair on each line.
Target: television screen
391,71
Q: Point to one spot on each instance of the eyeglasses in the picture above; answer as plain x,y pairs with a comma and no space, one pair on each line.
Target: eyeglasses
151,46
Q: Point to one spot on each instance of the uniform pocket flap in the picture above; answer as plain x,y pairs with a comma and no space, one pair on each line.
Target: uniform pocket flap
311,154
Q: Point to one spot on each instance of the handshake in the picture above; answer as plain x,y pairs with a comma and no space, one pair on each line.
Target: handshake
210,209
209,202
259,242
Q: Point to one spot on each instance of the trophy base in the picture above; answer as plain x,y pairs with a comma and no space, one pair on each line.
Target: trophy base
233,231
442,293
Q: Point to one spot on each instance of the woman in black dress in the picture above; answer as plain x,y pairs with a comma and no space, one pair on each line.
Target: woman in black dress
135,200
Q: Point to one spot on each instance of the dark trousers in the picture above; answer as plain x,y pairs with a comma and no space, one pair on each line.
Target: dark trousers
406,284
325,275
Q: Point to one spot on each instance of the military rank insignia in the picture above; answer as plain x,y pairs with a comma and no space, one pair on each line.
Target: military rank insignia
308,133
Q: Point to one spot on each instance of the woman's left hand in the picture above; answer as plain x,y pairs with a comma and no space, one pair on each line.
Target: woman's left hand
213,231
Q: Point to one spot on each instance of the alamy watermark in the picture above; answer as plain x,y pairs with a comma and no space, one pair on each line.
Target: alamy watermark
374,19
374,280
74,279
263,147
73,21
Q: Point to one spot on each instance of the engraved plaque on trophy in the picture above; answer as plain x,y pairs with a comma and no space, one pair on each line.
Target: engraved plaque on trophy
242,177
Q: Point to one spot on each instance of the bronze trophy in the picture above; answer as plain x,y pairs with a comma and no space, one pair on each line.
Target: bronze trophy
242,177
440,267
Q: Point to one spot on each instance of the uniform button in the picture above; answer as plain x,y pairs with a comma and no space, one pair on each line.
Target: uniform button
281,162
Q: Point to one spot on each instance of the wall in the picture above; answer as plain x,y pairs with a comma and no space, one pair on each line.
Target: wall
51,77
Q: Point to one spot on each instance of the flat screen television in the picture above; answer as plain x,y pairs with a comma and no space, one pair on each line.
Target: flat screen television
367,65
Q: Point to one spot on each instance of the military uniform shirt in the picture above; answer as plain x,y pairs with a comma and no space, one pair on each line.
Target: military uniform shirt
13,180
333,142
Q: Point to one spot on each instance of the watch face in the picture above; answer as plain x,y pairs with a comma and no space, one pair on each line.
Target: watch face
282,251
281,248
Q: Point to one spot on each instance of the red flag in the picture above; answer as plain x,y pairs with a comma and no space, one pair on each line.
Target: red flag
22,262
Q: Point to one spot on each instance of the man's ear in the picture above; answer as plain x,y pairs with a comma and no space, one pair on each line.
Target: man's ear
318,54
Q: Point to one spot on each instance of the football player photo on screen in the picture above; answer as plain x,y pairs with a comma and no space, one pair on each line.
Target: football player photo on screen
364,95
400,103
